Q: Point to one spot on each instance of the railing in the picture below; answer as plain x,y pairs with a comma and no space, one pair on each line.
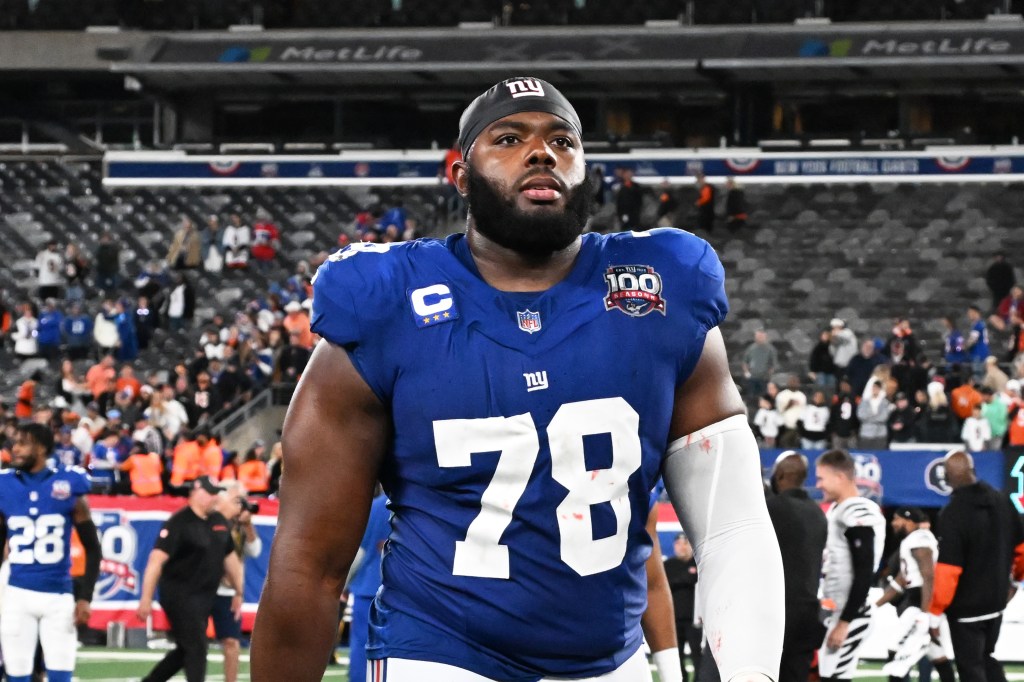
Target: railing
276,394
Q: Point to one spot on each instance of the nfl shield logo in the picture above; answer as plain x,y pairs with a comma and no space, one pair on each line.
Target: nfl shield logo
528,321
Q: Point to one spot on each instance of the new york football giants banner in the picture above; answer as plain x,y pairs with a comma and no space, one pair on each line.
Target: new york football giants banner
128,528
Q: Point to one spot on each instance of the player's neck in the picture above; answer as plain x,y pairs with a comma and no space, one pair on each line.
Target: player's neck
846,494
508,270
198,510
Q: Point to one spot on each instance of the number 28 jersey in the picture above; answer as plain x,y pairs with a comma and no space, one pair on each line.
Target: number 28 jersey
38,510
529,429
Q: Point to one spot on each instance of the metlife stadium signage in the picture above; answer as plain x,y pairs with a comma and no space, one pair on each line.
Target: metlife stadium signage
420,168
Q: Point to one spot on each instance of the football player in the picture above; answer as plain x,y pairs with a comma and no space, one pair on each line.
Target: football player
39,507
853,550
517,390
915,583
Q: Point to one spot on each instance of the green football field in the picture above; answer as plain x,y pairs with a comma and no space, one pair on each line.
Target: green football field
124,665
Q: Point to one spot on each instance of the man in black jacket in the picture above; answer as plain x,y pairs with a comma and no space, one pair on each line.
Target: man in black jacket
980,538
801,528
681,571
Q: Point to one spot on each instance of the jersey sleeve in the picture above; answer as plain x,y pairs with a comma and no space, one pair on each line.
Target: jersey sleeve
696,290
857,514
354,306
169,537
80,484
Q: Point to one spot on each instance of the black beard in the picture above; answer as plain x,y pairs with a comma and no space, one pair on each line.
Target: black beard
535,236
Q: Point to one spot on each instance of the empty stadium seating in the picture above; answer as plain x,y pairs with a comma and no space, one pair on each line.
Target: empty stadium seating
865,253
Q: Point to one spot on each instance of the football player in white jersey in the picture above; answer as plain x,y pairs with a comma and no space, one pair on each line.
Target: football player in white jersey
853,550
39,505
915,583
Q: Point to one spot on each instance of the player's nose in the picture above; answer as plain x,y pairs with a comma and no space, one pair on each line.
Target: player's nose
539,153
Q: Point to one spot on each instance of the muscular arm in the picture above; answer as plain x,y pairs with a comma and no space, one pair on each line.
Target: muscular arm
861,540
90,540
926,563
713,476
334,438
659,621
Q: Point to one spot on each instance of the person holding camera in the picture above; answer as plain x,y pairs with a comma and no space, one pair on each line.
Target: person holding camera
227,623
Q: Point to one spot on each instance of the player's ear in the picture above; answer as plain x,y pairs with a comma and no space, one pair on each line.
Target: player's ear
460,174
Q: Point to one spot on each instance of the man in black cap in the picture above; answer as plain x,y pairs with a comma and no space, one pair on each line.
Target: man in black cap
801,528
517,390
913,587
193,551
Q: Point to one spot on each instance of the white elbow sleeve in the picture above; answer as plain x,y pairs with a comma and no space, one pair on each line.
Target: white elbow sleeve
713,478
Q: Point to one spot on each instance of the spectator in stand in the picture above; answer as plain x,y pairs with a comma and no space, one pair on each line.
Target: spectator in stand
790,404
994,411
668,205
964,398
108,263
24,406
145,320
976,432
1010,311
901,365
105,461
937,423
275,465
127,341
861,366
873,414
76,333
26,329
977,341
145,471
767,421
994,378
127,406
203,401
211,237
735,206
180,304
813,424
629,202
237,241
102,381
844,345
186,252
93,420
292,360
760,360
71,387
999,278
903,333
705,204
296,322
396,217
211,456
76,267
147,435
50,271
681,572
48,330
252,472
104,330
266,240
1010,396
65,453
902,420
954,342
843,420
166,414
821,365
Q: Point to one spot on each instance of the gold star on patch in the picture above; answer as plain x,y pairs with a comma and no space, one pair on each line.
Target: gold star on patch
426,320
437,318
446,315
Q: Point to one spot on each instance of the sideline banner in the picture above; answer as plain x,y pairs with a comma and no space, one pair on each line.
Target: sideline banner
128,529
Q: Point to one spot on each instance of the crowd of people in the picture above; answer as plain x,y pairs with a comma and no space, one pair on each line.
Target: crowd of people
883,390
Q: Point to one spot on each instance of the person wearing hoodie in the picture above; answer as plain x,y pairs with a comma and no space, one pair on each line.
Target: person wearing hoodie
48,333
972,576
873,414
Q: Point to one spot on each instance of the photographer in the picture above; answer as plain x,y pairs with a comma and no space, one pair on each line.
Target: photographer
234,506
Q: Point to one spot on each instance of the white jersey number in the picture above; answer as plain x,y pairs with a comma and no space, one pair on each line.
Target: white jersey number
40,541
516,440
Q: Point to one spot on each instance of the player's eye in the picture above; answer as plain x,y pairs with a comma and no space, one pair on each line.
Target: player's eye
563,141
507,139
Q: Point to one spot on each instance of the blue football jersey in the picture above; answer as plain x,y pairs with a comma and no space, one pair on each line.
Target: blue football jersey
37,509
529,429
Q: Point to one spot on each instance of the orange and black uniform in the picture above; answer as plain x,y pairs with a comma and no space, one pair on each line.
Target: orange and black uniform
981,537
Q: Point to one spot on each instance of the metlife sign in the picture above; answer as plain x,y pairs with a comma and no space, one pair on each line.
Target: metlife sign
360,53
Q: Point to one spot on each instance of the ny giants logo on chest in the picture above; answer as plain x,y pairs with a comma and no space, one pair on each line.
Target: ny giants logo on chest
61,490
633,289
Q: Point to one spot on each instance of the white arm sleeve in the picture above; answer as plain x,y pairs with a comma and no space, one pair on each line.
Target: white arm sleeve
713,478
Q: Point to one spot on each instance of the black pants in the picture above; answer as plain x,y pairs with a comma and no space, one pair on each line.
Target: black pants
973,644
804,635
688,633
187,614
